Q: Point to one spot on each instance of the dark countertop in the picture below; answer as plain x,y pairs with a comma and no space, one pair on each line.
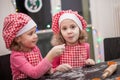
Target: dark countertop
85,73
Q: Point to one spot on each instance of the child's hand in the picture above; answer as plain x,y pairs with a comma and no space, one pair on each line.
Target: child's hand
90,62
55,51
63,67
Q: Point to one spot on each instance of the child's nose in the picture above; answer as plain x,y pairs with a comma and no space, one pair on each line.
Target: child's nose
35,35
69,31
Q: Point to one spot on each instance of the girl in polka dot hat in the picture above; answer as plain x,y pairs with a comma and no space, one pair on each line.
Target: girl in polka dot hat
19,33
69,29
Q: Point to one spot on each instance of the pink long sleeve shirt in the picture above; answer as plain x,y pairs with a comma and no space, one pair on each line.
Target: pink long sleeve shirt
74,55
30,64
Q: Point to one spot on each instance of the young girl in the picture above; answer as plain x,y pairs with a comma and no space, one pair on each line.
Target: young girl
20,36
69,29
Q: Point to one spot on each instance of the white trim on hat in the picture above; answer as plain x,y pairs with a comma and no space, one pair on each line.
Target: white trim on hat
27,27
70,16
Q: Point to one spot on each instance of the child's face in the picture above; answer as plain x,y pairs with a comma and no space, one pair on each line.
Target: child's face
29,38
70,31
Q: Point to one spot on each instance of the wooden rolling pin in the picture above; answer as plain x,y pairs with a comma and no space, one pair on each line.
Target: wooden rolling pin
108,72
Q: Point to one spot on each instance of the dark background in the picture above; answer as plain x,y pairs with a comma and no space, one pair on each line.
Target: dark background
42,17
75,5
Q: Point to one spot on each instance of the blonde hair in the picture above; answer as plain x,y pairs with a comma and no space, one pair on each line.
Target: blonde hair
57,39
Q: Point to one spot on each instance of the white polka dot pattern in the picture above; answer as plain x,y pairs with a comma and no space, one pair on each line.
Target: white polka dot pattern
12,24
75,55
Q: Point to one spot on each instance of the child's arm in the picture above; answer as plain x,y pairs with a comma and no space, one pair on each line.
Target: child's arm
56,62
55,52
19,61
58,67
89,61
21,64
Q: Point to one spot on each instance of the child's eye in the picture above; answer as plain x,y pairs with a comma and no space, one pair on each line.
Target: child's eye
30,33
64,28
73,26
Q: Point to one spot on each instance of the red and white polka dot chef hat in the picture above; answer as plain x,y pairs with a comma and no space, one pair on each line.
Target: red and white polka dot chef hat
15,25
67,14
